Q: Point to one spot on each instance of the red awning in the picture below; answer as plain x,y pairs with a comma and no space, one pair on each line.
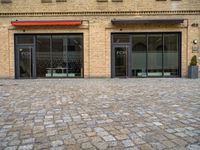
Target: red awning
45,23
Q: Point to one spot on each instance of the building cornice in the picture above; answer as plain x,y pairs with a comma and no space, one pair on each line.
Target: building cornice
103,13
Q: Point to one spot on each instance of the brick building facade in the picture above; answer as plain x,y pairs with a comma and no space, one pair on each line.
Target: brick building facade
98,38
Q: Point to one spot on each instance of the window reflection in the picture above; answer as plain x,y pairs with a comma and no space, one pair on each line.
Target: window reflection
43,56
25,39
121,38
155,49
75,56
170,63
59,56
139,51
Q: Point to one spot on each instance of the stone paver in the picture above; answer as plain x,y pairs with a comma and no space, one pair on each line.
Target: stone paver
109,138
138,114
127,143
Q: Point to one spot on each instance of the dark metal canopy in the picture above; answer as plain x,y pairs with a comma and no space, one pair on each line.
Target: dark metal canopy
146,21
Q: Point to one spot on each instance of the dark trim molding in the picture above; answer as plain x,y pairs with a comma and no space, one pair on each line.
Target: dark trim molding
99,13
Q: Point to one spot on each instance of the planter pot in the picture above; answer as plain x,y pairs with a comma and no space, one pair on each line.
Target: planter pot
193,72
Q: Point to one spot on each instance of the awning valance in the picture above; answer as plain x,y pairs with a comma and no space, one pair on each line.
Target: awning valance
46,23
146,21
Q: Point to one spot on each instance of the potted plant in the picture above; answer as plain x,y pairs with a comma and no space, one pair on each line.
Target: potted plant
193,68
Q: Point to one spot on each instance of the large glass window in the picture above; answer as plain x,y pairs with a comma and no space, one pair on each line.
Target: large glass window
121,38
74,55
170,60
59,56
155,49
139,53
43,56
25,39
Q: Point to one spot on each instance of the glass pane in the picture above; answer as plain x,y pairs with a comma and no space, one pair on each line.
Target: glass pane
171,65
139,52
120,61
25,62
25,39
155,48
121,38
43,58
74,55
59,56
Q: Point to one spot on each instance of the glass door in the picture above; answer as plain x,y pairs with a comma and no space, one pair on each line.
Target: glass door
25,62
120,61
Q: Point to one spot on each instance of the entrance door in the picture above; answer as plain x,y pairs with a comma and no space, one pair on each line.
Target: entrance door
24,62
120,61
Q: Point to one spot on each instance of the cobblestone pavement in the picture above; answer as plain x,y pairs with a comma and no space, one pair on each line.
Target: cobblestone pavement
131,114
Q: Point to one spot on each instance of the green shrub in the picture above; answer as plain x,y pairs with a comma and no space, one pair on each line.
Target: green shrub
193,61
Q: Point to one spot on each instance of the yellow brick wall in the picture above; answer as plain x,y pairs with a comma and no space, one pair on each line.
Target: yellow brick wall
4,52
93,5
97,27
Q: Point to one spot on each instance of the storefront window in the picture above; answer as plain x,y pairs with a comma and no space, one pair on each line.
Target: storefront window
54,55
170,60
155,49
59,56
139,54
43,56
121,38
150,54
74,56
25,39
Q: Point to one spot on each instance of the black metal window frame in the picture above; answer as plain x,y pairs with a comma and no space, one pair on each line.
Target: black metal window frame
34,47
130,44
